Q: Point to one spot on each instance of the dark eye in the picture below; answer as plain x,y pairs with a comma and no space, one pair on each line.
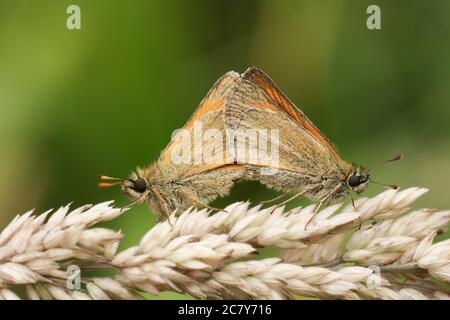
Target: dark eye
354,181
139,185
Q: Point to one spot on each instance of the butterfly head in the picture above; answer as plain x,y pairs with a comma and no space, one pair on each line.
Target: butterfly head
358,180
135,186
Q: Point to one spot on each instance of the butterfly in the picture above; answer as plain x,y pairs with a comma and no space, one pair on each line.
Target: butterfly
195,167
309,164
217,146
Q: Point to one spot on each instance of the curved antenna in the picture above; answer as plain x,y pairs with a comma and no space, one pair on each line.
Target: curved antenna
389,186
392,159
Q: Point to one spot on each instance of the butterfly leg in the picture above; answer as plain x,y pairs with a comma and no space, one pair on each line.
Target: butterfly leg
194,200
138,200
299,194
322,201
167,212
360,222
209,207
271,200
353,202
161,199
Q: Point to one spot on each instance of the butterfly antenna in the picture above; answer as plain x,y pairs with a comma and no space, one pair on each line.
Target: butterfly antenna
392,159
389,186
118,181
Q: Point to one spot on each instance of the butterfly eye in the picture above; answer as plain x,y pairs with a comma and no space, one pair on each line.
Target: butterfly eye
354,180
139,185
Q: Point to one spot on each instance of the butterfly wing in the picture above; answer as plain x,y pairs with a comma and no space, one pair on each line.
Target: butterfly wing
203,135
195,167
305,156
263,82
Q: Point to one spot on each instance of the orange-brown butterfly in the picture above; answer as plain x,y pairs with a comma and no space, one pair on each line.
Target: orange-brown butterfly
309,164
182,177
222,142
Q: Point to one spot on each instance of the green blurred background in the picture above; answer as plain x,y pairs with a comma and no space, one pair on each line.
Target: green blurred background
103,99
